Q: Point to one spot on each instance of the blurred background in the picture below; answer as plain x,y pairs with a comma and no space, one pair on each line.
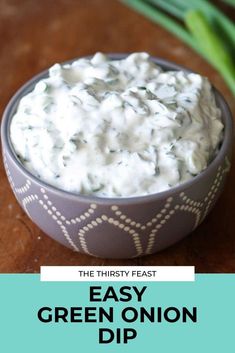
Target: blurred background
36,34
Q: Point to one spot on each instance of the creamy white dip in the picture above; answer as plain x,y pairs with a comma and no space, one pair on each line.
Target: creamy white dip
117,128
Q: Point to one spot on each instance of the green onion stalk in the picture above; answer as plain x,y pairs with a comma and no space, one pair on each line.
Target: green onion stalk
205,29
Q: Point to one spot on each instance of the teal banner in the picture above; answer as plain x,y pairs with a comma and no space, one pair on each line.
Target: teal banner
117,317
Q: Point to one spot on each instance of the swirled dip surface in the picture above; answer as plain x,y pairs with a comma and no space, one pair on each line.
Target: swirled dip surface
117,128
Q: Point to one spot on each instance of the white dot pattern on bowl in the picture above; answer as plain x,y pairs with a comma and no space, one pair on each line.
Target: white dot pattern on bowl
88,220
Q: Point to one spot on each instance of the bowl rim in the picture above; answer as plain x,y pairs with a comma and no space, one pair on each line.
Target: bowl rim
166,65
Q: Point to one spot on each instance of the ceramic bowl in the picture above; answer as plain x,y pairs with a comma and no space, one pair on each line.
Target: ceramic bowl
117,227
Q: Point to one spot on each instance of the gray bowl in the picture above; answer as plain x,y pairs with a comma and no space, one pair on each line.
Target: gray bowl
117,227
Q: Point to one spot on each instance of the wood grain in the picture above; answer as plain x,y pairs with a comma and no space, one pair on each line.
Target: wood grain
36,34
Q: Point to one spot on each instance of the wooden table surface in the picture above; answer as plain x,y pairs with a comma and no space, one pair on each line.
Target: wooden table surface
36,34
